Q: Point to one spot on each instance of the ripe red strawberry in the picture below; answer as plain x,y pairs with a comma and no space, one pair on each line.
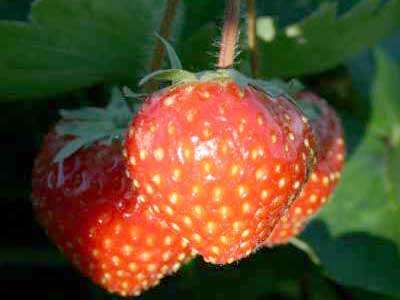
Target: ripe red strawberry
89,209
219,163
316,192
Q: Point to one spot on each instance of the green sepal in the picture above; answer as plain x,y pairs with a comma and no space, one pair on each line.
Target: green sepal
89,125
76,144
173,75
174,60
86,113
273,88
128,93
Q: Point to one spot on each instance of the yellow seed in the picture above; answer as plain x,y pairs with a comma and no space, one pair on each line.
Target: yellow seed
313,198
198,210
245,233
215,250
156,179
234,170
223,239
246,208
169,101
264,194
282,182
142,154
195,190
149,189
211,227
176,175
242,191
217,194
171,129
173,198
197,237
187,221
224,211
159,154
260,174
207,167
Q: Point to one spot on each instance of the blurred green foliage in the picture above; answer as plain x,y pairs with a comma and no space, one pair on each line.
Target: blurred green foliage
70,51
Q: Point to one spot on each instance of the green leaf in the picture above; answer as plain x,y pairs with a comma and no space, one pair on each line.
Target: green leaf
323,40
319,42
359,242
392,174
14,9
385,93
69,44
357,236
386,119
357,259
172,56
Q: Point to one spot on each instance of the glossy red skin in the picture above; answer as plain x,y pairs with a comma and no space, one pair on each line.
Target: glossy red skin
199,155
89,209
330,156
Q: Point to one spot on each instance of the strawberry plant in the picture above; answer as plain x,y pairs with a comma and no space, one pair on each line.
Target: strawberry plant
200,149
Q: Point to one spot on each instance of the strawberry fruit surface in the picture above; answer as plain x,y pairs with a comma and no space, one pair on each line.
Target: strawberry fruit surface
220,163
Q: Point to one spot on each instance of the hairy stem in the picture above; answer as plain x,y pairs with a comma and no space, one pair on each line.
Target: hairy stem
165,31
229,34
252,37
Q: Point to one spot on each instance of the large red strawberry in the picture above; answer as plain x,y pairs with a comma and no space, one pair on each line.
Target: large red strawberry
330,156
89,209
219,162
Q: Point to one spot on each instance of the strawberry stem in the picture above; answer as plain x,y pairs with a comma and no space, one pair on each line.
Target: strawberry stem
230,34
165,31
252,36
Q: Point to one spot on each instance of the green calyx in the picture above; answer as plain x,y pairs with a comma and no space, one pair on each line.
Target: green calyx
89,125
176,75
273,88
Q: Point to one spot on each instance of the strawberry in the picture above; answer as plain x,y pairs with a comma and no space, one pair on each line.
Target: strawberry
219,162
330,155
88,208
